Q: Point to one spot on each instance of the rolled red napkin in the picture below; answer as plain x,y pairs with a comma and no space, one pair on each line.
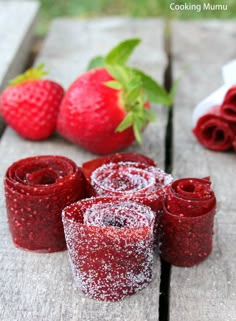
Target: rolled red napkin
110,246
228,108
128,176
187,222
214,132
36,190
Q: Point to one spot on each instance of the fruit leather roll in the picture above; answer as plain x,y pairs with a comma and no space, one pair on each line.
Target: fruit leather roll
130,176
187,222
37,189
228,107
234,143
110,246
213,131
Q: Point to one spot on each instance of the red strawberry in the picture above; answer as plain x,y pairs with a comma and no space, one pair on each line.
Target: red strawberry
106,108
30,105
91,112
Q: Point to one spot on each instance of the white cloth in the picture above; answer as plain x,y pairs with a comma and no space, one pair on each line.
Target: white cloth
216,98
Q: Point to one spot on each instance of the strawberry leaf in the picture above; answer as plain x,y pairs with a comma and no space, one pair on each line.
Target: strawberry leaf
155,92
137,132
126,122
30,74
136,81
120,73
96,62
150,115
140,121
113,84
121,53
132,95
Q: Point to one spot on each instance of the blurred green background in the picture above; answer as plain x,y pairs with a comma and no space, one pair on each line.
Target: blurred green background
136,8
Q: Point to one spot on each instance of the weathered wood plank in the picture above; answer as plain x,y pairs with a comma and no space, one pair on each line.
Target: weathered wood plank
208,291
17,21
40,286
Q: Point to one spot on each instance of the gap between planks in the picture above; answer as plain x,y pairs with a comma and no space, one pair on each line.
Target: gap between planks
168,82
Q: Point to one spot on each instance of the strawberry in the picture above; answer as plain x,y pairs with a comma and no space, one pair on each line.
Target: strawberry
91,112
107,107
30,104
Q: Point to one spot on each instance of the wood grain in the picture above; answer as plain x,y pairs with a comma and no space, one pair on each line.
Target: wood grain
208,291
40,286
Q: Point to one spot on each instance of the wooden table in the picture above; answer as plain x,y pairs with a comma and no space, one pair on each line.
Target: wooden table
40,286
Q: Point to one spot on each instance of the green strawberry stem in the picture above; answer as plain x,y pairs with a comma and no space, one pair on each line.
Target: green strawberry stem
30,74
135,86
133,97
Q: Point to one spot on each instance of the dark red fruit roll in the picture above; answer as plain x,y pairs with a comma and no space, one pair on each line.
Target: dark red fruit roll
214,132
228,108
234,143
187,222
37,189
129,176
110,243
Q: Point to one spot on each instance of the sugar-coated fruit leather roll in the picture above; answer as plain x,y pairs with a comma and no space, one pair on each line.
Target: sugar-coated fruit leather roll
110,244
37,189
214,131
187,222
130,176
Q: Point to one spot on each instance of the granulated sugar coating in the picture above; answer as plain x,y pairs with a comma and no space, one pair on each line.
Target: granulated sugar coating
127,214
128,177
120,175
90,166
187,222
37,189
110,246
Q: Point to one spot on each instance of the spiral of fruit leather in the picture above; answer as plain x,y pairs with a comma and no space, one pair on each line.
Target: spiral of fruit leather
228,108
37,189
110,243
214,132
129,176
187,221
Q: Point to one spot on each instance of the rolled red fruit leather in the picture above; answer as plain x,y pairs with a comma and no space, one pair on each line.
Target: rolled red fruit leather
228,107
37,189
110,244
214,132
234,143
130,176
187,222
